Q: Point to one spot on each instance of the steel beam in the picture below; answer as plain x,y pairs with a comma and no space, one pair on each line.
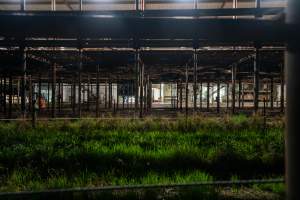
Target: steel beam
218,95
208,96
23,83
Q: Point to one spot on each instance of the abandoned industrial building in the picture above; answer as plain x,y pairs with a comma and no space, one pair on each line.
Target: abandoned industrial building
97,66
209,83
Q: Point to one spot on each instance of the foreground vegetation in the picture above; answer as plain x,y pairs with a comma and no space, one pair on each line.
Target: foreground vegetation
89,153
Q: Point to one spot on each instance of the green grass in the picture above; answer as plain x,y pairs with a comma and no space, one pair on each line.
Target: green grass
90,153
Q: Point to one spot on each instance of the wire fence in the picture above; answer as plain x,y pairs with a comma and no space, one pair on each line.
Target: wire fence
232,183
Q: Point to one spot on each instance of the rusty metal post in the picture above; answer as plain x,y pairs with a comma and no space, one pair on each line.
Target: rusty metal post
200,95
282,82
186,91
272,93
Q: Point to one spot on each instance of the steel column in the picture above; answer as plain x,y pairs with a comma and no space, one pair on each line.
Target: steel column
233,80
207,96
23,83
97,90
10,97
218,95
272,93
256,80
79,81
282,81
195,59
53,96
292,137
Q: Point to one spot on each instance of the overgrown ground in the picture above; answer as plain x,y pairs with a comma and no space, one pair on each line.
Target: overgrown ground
88,153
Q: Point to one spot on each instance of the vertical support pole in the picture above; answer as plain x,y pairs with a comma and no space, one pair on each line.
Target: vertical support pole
118,94
80,5
227,95
23,83
53,5
141,89
40,92
74,95
48,93
110,95
10,97
1,95
218,95
180,93
137,68
88,93
186,91
150,93
292,136
272,93
195,58
30,92
59,96
243,94
53,96
23,5
177,96
79,81
4,95
97,90
282,81
233,80
207,96
240,93
256,79
105,94
200,95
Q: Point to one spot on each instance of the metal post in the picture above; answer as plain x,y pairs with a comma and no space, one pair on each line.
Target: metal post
227,95
74,95
40,92
256,79
200,95
59,95
23,5
53,5
4,95
110,95
240,92
292,136
97,90
218,96
80,5
141,90
137,68
180,93
1,95
10,97
137,5
105,94
88,93
23,83
272,93
79,81
53,96
195,59
207,96
186,91
233,80
282,89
